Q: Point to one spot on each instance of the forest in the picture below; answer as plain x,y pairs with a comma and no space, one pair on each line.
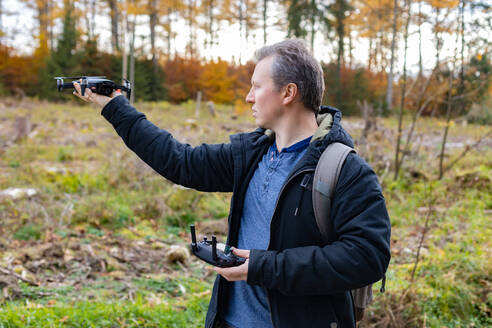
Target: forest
90,236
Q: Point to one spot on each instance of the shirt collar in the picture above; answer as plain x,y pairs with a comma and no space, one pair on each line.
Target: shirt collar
298,146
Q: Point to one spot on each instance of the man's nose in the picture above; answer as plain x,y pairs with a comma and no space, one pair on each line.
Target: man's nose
250,98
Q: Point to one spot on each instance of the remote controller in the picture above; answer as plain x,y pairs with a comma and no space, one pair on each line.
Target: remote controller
218,255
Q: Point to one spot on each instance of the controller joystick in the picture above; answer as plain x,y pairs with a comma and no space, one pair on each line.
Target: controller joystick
214,253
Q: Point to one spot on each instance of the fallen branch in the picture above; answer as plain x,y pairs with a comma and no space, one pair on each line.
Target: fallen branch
18,276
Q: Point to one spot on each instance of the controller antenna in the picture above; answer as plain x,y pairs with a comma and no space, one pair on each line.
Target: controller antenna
214,248
193,237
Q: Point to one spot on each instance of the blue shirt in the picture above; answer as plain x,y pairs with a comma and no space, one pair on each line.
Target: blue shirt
248,305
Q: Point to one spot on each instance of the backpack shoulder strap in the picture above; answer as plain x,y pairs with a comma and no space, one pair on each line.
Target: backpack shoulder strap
325,181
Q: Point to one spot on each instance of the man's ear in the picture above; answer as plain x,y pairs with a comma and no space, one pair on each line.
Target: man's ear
290,93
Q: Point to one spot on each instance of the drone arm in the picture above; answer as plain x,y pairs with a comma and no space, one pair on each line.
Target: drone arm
121,87
124,88
66,85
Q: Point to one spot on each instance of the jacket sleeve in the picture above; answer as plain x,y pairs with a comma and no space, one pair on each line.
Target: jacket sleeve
359,255
205,168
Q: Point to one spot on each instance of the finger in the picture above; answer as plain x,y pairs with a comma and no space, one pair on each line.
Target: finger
78,93
241,252
76,87
227,273
115,94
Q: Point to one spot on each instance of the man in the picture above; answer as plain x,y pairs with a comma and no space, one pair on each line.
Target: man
291,277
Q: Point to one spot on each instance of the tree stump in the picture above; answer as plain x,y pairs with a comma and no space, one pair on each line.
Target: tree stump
369,118
198,103
211,108
22,127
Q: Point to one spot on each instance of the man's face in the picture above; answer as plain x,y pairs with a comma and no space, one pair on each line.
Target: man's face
266,100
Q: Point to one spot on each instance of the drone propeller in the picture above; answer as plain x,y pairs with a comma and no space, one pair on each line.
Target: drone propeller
80,77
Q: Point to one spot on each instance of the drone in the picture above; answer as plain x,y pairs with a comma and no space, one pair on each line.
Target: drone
97,84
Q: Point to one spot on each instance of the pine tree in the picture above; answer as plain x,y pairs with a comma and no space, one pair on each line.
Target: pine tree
64,60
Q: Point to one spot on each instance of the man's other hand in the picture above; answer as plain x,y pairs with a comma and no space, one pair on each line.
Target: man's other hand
92,97
236,273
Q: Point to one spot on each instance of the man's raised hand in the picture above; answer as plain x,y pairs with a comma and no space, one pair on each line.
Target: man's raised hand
92,97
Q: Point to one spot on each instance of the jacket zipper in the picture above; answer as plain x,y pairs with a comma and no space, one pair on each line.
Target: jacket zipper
280,194
271,220
305,185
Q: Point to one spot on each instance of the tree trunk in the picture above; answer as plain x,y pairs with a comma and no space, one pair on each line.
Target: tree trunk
87,19
448,110
446,129
191,13
420,39
93,18
340,16
340,31
265,7
402,95
115,16
1,23
90,21
132,59
351,59
389,88
241,26
51,27
462,53
369,65
43,19
438,39
124,66
313,21
211,22
153,23
169,33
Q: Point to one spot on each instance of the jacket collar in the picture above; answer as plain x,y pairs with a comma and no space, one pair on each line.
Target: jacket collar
328,119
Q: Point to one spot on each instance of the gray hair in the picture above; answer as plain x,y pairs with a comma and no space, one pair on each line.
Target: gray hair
293,63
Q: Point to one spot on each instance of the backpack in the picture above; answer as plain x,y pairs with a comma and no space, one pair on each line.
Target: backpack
324,183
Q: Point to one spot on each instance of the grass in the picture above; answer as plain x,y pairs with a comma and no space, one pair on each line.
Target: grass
83,314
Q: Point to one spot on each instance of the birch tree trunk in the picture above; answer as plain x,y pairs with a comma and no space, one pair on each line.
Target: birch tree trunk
265,7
